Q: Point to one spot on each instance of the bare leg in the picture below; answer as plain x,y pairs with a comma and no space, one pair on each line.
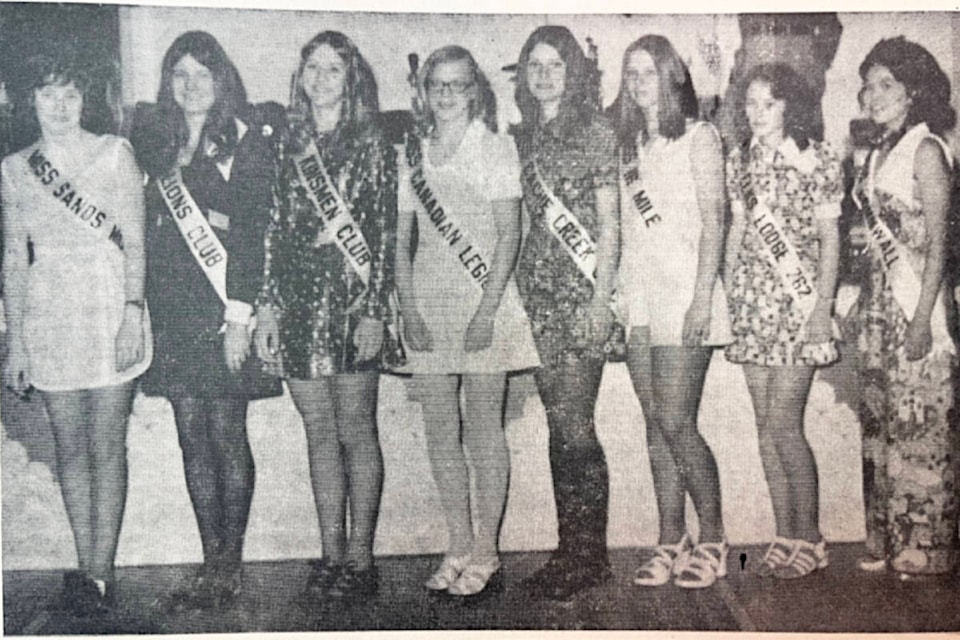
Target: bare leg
70,421
356,411
758,382
314,401
667,482
486,445
109,412
441,419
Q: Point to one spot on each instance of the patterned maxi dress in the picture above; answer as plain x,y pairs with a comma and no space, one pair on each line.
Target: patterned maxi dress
909,443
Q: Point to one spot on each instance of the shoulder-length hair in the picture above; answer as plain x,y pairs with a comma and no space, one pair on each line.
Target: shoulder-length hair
360,101
220,127
926,83
61,70
577,105
676,101
800,106
482,101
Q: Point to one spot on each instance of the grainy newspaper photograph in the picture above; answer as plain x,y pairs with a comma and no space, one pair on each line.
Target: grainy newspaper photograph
423,318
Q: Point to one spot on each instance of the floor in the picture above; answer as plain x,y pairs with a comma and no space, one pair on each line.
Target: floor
840,598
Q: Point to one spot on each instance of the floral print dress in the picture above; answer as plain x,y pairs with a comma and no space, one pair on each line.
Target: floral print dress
319,298
909,443
799,187
555,293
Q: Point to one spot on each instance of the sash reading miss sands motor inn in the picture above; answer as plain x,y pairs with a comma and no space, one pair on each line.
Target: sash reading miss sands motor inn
630,173
561,222
196,231
332,212
447,226
904,282
77,204
778,249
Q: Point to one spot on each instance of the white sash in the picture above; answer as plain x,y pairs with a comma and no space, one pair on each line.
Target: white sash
563,225
905,284
76,203
636,194
777,248
332,212
196,231
447,226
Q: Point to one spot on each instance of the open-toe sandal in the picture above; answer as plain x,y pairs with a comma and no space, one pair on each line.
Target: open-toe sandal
658,568
447,573
701,567
774,557
477,579
806,558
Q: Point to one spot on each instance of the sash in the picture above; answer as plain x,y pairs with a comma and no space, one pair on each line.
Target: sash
196,231
777,248
563,225
904,282
77,204
333,213
630,174
445,223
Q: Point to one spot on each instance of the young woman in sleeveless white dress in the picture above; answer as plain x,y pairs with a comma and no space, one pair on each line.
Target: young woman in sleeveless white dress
671,188
465,324
77,328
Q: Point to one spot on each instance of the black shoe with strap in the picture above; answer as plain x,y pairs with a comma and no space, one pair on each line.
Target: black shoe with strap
355,584
322,576
565,575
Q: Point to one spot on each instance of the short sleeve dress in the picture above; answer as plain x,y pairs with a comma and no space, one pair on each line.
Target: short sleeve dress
320,299
74,300
485,168
555,293
799,187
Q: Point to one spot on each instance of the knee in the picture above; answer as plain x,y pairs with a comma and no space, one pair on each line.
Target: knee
109,455
359,437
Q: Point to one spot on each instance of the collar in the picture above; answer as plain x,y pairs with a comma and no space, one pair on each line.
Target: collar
789,154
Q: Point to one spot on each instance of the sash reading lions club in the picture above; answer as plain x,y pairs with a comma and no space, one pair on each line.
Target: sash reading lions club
576,241
780,253
211,256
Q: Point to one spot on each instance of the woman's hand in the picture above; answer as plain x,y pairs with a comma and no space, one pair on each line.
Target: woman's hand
415,332
236,346
128,343
266,337
16,370
600,318
367,338
918,339
820,323
479,334
696,323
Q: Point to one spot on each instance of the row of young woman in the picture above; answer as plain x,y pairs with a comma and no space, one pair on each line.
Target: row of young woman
632,203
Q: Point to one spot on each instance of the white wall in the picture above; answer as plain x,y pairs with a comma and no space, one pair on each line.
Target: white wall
159,524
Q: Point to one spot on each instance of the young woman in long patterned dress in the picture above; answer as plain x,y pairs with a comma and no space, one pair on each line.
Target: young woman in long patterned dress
567,148
907,358
671,204
325,295
782,254
76,324
203,139
462,314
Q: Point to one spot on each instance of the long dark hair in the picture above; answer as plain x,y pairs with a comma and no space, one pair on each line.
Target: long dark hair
157,149
360,100
926,83
676,101
483,102
799,113
578,103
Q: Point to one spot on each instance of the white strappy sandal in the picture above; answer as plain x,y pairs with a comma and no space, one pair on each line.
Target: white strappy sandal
447,573
659,568
700,567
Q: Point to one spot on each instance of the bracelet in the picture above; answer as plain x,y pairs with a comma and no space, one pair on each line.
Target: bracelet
139,304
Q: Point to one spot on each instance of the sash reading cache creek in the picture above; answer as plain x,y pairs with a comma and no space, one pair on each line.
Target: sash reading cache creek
80,206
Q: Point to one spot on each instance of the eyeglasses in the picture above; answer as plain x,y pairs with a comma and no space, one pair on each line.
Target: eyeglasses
455,86
554,68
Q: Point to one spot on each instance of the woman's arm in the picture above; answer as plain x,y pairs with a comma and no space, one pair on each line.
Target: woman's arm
933,180
16,375
820,323
415,330
706,159
506,216
737,222
130,339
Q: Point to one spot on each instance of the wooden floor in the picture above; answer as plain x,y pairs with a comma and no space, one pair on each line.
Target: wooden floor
840,598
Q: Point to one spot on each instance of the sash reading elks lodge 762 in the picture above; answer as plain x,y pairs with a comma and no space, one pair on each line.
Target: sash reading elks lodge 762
563,225
203,243
446,224
332,212
777,248
77,204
